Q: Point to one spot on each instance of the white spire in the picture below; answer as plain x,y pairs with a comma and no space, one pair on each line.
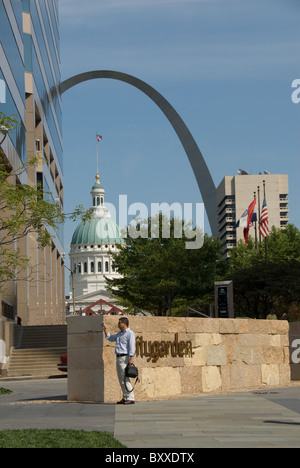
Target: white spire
98,193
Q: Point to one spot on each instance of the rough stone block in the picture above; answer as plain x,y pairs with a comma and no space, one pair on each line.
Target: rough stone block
216,355
278,327
176,325
161,382
211,379
275,340
85,385
273,355
211,325
233,326
270,374
249,340
191,380
247,355
84,324
226,378
237,376
199,358
258,326
84,340
87,359
207,339
194,325
284,374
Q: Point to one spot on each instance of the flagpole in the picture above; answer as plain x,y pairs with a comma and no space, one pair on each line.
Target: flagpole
97,145
256,246
259,213
266,238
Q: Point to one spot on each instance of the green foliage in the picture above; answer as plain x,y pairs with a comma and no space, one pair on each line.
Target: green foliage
4,391
161,276
260,285
24,210
57,438
159,273
7,124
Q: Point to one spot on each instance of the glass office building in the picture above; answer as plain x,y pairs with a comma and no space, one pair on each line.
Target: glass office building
30,89
12,99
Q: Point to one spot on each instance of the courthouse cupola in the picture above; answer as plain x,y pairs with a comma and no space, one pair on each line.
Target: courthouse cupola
92,245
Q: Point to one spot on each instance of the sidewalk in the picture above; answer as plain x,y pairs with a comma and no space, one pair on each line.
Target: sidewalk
269,418
214,421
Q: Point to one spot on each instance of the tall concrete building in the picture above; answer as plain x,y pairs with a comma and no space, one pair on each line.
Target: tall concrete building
234,195
30,89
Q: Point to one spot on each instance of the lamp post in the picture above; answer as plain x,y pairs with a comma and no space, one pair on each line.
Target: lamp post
72,280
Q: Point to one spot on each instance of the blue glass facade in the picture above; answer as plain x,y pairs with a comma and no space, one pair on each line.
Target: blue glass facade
12,70
30,90
36,53
41,52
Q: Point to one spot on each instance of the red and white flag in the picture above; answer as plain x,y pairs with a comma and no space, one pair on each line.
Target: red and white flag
99,137
264,220
251,211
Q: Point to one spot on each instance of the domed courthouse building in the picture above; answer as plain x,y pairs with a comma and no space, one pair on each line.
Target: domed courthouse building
91,261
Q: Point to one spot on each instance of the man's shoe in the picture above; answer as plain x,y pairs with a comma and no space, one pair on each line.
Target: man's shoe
121,402
129,402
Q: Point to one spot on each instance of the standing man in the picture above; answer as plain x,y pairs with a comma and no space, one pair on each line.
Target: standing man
272,315
125,351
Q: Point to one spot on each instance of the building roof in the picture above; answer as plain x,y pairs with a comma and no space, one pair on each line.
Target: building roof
101,230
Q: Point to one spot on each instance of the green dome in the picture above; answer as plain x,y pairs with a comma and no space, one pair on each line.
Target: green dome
97,187
102,230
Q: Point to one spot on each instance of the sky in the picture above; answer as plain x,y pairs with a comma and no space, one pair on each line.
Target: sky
226,66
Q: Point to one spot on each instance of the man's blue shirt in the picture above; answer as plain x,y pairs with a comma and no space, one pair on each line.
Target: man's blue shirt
125,342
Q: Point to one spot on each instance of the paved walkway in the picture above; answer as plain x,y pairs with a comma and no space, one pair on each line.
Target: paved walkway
254,419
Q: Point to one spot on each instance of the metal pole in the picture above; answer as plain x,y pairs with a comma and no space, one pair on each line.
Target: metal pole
256,246
73,291
259,212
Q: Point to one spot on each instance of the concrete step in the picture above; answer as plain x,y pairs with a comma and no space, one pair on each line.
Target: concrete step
47,336
33,362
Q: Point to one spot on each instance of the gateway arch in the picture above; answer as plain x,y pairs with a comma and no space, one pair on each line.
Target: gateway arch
204,179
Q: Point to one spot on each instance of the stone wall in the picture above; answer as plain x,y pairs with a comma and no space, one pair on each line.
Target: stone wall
179,356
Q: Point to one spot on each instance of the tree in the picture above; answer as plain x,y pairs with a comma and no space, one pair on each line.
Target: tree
283,246
7,124
259,286
159,272
24,209
263,287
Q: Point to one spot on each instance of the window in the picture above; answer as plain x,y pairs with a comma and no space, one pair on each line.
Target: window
99,267
92,267
85,267
106,267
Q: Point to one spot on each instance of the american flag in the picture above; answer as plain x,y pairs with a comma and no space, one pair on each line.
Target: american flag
264,220
99,137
